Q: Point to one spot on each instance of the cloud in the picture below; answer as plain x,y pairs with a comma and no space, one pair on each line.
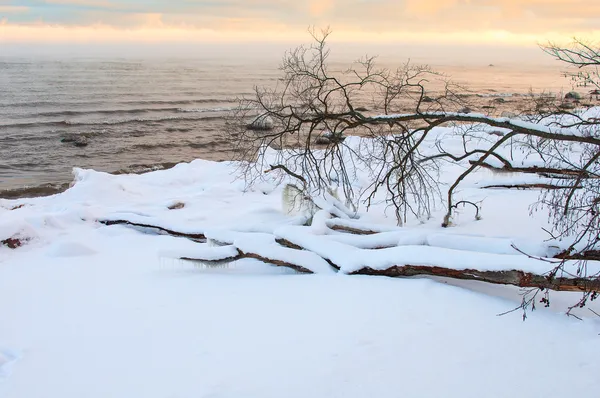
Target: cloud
402,19
318,8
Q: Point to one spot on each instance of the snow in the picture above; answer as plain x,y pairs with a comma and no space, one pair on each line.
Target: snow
547,127
204,252
89,310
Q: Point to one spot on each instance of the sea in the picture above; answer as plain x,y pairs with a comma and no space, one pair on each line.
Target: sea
140,112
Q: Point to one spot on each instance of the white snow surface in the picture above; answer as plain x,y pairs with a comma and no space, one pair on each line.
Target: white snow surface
95,311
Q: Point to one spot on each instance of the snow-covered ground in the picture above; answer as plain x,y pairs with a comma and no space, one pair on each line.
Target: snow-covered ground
88,310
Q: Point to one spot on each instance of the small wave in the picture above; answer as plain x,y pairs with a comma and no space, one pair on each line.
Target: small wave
178,130
106,111
204,110
69,123
210,144
165,145
132,111
37,104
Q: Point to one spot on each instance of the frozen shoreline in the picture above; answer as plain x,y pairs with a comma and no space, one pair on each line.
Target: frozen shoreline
93,310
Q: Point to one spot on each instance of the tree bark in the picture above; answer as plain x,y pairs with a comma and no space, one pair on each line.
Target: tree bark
513,277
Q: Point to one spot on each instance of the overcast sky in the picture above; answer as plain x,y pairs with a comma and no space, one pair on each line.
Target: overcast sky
513,22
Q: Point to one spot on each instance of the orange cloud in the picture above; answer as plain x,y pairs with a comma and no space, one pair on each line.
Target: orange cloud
522,22
424,7
318,8
153,29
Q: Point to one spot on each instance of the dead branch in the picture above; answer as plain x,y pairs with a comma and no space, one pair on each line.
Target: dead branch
535,170
195,237
255,256
467,202
287,171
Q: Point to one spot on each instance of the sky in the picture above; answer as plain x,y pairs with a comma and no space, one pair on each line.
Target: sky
503,22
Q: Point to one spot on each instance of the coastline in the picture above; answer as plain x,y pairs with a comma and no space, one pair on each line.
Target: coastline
491,103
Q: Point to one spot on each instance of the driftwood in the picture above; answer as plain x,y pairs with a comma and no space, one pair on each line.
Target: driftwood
508,277
241,255
194,237
513,277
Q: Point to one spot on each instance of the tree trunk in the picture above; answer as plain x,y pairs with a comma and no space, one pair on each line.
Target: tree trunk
513,277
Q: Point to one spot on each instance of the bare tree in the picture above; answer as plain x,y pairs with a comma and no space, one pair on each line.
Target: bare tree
313,109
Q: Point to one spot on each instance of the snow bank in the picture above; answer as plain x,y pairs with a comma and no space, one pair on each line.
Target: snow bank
98,311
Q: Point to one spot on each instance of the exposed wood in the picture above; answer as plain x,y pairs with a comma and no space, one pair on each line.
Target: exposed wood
195,237
534,170
12,243
586,255
514,277
288,244
177,206
278,263
255,256
528,186
220,261
352,230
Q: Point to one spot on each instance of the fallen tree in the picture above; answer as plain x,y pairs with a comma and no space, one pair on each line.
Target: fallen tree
230,246
505,277
396,109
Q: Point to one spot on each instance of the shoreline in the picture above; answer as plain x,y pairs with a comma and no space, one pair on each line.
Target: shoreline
53,188
490,103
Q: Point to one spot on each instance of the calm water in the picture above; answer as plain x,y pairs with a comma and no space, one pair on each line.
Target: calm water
152,111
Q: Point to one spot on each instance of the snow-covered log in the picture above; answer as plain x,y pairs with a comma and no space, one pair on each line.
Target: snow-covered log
511,277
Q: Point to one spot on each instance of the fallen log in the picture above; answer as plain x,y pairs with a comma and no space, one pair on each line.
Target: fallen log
535,170
351,230
195,237
356,228
512,277
528,186
255,256
507,277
